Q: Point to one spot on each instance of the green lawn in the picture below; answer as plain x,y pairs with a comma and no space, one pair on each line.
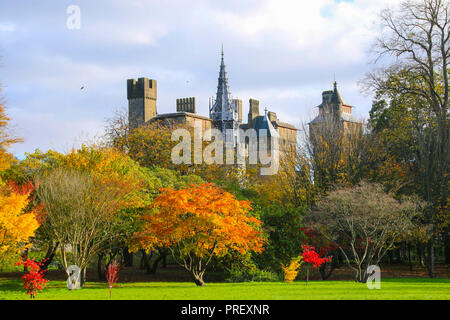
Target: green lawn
398,288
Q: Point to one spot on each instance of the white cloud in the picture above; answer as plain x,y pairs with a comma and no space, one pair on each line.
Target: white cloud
7,27
281,52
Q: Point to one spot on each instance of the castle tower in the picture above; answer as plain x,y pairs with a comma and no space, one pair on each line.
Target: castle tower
253,112
141,95
223,112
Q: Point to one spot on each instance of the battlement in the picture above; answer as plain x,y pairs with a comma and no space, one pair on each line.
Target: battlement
186,105
253,111
142,88
141,95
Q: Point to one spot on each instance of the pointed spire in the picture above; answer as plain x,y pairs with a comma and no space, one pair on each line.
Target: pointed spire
223,100
336,97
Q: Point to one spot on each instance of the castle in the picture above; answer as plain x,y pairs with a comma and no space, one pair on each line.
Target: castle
334,108
225,113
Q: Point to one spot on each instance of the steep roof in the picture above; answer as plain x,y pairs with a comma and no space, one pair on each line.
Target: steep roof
263,123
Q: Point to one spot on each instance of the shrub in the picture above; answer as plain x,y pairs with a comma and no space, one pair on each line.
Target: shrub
33,280
253,275
284,228
291,270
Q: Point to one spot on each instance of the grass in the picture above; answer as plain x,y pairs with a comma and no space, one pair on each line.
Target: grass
391,289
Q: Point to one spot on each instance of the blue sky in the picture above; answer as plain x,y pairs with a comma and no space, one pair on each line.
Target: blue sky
281,52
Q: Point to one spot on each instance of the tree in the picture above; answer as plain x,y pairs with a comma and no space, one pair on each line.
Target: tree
312,258
335,153
16,224
364,222
83,197
33,280
292,186
198,223
418,36
6,140
283,226
325,248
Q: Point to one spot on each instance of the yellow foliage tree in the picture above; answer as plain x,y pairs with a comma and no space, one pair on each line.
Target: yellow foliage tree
16,225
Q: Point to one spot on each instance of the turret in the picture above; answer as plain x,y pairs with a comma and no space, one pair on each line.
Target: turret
141,95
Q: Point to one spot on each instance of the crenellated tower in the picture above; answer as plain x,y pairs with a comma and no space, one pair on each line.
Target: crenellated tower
141,96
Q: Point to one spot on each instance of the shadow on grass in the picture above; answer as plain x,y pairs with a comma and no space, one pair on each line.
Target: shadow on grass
11,285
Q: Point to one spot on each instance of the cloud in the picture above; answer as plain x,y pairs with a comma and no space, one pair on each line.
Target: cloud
7,27
282,52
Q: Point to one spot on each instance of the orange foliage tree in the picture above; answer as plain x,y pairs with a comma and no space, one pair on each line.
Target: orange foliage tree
198,223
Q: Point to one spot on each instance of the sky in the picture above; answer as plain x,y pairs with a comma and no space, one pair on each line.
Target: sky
282,52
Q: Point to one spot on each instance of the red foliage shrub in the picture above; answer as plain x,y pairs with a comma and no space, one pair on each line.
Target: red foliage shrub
33,281
312,257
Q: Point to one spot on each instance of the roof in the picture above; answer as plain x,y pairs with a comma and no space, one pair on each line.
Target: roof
181,114
286,125
263,123
332,96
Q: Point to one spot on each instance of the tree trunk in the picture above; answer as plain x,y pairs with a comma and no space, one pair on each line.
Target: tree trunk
420,254
100,270
447,245
127,257
83,277
430,264
154,267
409,258
144,261
327,268
198,279
49,255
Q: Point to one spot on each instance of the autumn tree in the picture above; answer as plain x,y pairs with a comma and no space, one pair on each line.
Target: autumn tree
17,223
334,153
283,226
6,139
417,35
198,223
84,196
364,223
155,179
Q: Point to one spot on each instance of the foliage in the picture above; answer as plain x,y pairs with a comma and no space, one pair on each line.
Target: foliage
251,275
198,223
6,140
283,226
324,248
310,256
291,270
112,274
16,224
364,222
292,186
335,153
33,280
417,34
